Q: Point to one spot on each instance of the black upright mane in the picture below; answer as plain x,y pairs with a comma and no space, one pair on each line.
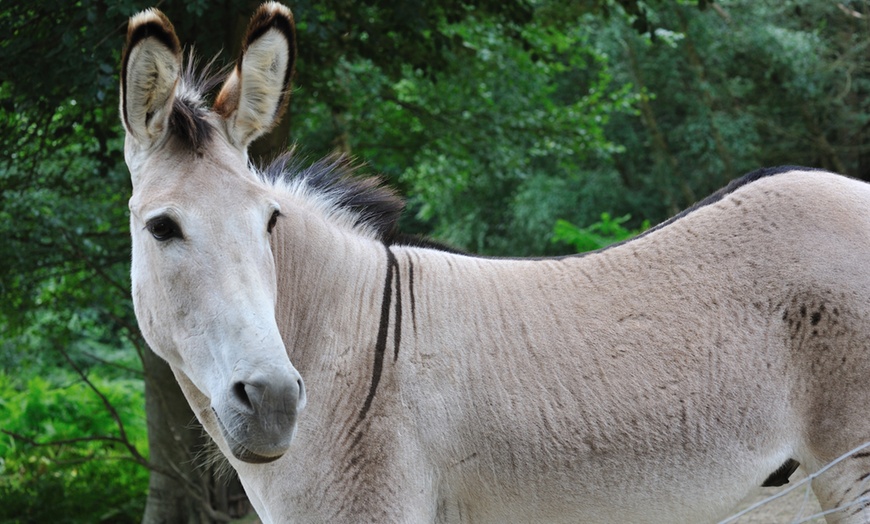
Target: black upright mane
335,178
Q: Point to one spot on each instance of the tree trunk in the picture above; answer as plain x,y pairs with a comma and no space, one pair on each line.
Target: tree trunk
185,485
698,67
660,149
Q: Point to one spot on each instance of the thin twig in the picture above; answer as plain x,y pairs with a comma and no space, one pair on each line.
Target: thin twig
111,409
94,267
132,334
62,442
112,364
723,14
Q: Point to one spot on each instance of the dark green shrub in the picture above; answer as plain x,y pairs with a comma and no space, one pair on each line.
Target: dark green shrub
84,476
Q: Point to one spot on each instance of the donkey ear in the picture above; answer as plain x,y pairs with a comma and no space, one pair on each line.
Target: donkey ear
149,73
255,95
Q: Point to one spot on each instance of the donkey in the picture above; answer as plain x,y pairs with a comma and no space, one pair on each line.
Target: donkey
659,380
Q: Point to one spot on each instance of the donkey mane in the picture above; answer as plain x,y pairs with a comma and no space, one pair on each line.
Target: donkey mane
334,183
375,207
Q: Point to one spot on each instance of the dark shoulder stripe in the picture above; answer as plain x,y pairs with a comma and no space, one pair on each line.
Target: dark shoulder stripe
411,294
381,341
397,328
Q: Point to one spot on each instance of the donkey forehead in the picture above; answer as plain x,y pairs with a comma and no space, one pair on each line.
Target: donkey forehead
215,179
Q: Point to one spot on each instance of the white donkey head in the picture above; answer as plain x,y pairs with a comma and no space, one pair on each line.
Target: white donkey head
204,283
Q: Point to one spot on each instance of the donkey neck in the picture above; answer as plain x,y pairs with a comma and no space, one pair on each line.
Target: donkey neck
330,281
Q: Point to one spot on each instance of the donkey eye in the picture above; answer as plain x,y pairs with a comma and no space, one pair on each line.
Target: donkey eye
273,220
163,228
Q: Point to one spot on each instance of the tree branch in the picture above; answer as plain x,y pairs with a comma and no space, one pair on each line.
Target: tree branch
63,442
112,412
95,268
112,364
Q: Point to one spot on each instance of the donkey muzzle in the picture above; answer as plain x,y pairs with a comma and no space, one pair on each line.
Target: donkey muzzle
257,415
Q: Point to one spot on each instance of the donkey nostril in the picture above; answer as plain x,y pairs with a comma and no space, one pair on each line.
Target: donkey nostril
301,397
260,398
240,390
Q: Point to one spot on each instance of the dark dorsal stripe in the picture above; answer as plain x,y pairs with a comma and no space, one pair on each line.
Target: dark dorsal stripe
733,186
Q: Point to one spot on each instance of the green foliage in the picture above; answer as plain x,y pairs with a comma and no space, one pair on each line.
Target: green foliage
391,35
64,280
84,477
733,88
507,138
609,230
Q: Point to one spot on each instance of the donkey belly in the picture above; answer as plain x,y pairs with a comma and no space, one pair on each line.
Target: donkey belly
653,430
596,476
642,503
667,486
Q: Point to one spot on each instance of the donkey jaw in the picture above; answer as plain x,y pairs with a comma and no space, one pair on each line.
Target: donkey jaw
243,453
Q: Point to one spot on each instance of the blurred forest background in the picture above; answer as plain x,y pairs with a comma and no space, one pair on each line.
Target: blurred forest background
514,127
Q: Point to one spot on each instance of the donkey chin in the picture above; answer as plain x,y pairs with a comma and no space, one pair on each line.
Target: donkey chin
254,441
